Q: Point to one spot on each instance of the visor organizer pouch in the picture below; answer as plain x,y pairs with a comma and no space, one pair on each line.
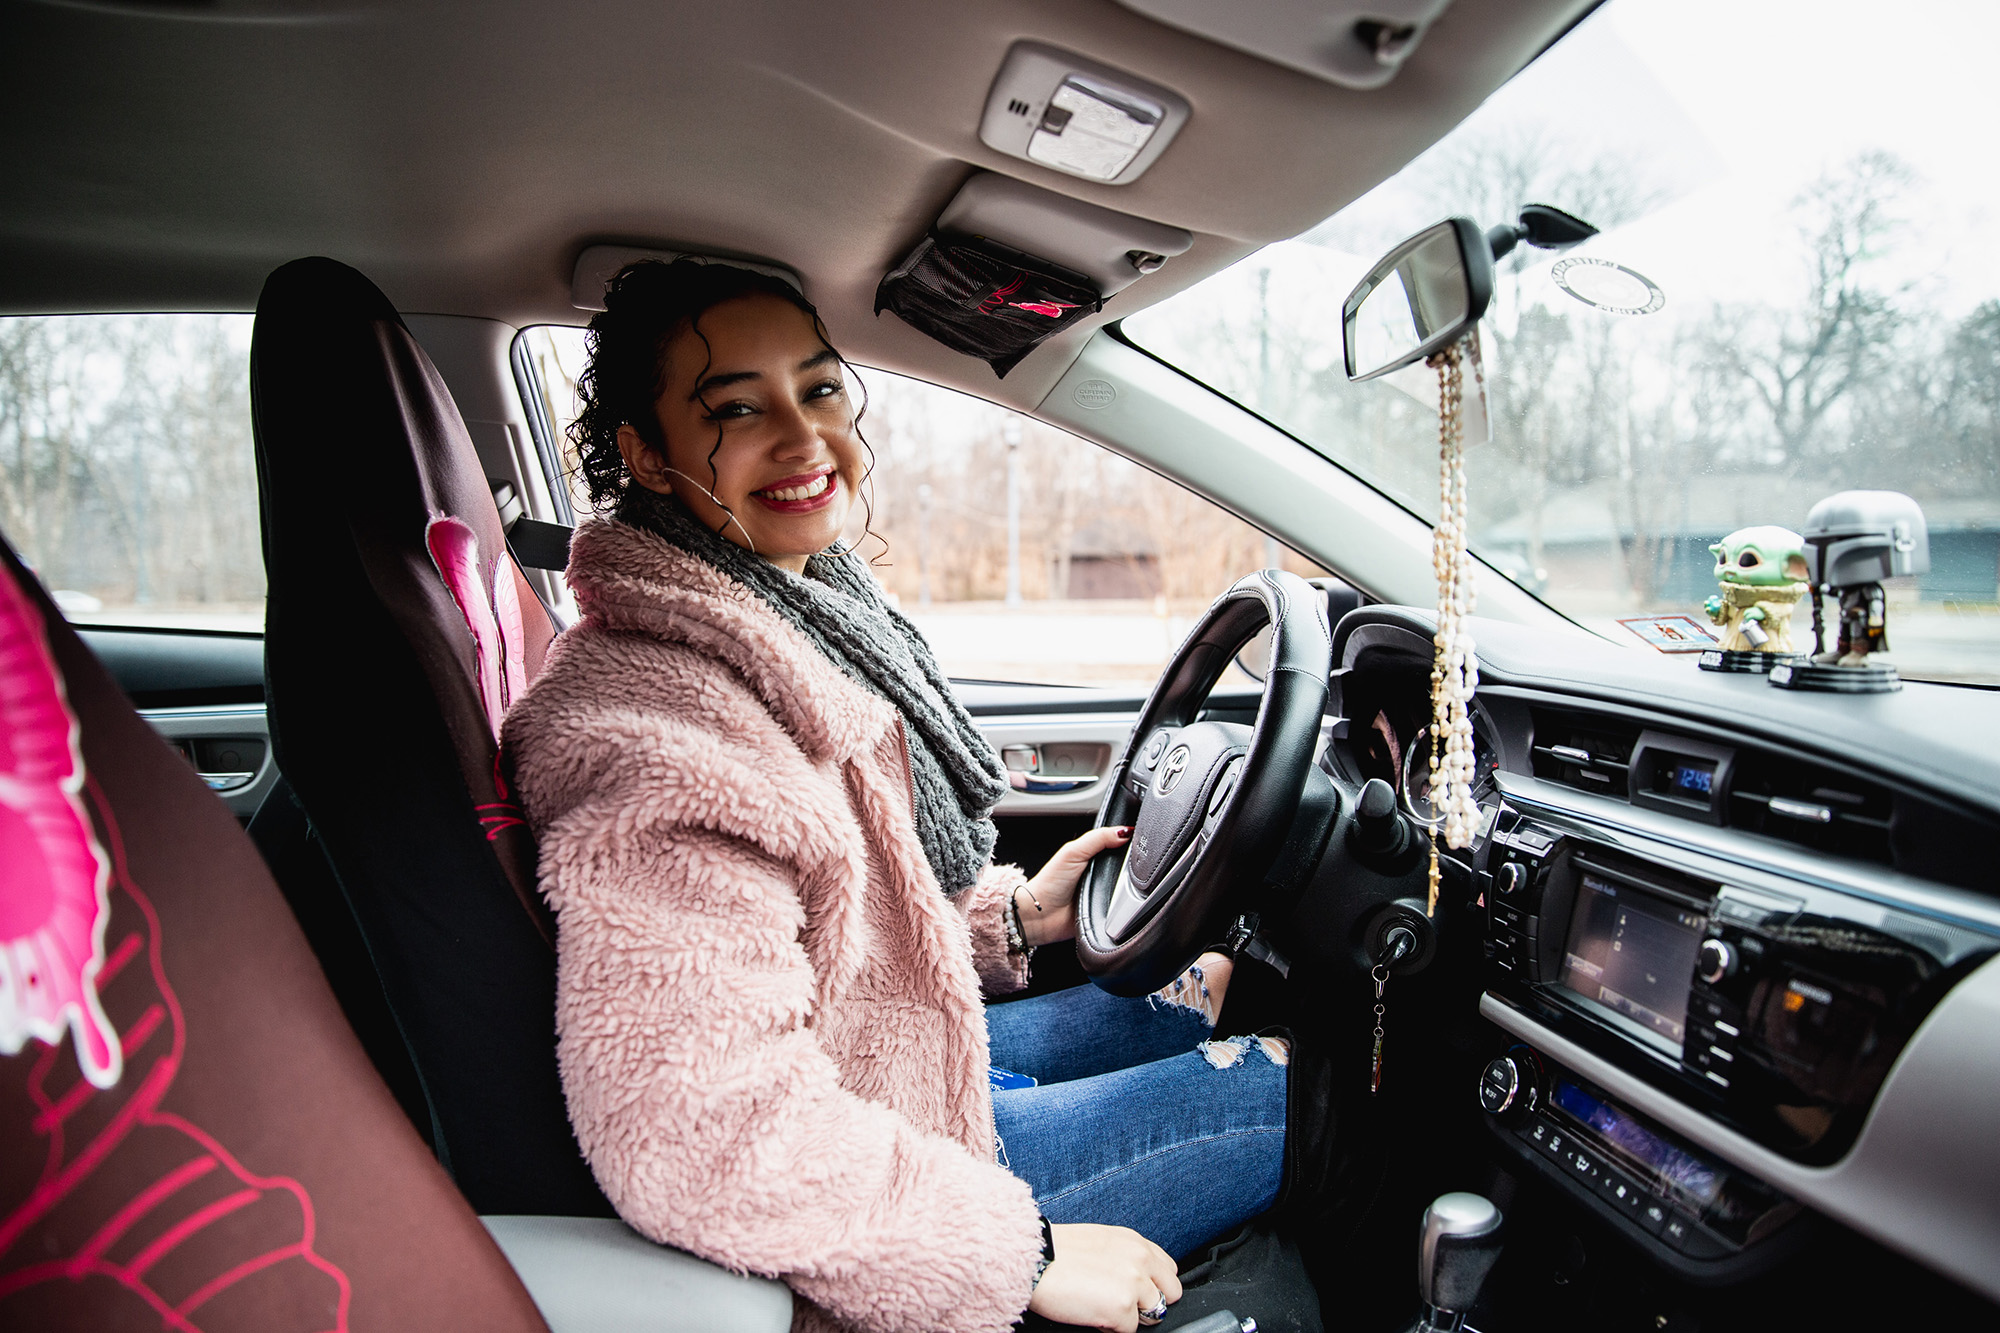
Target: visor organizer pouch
979,297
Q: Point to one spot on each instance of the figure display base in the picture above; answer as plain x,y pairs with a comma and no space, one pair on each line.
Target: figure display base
1806,675
1753,663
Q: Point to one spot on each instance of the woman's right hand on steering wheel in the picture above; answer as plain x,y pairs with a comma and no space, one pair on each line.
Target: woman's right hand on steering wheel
1102,1277
1047,903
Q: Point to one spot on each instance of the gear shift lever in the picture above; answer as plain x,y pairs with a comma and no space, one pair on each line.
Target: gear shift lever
1459,1244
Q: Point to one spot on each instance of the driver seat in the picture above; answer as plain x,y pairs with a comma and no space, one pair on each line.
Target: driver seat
398,630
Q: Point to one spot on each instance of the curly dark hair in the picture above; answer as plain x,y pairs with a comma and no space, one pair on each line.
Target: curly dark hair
645,305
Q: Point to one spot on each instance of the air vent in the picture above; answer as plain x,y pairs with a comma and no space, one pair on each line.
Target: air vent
1813,806
1592,754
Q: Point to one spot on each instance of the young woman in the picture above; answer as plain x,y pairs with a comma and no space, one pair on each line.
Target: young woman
764,831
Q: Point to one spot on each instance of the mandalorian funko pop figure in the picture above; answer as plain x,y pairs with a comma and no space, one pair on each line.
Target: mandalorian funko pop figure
1853,541
1762,571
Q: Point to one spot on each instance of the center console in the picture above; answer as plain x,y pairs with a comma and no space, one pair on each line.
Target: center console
1696,1214
1775,1009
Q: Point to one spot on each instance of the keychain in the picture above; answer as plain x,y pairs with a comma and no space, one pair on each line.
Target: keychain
1398,943
1381,975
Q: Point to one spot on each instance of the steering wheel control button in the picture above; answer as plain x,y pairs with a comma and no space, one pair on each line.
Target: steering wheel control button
1499,1085
1154,749
1715,962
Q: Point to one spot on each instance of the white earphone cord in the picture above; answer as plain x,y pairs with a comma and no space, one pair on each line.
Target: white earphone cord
719,505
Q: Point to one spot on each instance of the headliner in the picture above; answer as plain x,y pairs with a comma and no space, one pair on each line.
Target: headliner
167,154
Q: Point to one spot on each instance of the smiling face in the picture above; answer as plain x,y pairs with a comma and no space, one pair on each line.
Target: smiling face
765,403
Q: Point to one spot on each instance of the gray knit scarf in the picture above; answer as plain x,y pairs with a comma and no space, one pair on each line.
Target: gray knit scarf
839,606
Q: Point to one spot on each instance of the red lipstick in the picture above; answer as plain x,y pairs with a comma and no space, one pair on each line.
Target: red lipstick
807,492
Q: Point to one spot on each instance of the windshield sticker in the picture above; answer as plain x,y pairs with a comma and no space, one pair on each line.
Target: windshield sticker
1612,288
1672,634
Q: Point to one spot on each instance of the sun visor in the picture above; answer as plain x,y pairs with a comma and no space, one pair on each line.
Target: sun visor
1009,265
1354,43
598,264
1112,249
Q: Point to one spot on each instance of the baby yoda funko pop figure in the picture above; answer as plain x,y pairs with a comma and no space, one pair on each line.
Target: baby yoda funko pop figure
1762,571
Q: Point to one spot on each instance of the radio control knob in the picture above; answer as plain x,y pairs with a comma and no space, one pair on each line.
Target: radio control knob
1715,961
1512,878
1500,1085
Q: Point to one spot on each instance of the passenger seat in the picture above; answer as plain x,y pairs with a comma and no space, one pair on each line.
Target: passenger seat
190,1136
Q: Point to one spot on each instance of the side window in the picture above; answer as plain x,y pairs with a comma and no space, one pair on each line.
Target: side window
1023,552
1028,554
127,479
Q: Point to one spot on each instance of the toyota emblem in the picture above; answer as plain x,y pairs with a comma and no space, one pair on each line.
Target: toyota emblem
1171,771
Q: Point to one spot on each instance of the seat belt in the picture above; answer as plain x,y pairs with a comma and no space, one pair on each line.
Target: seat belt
539,545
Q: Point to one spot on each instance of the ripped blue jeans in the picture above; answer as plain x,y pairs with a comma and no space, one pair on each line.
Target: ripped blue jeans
1140,1119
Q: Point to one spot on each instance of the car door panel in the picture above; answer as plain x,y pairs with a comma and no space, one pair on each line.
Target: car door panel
203,692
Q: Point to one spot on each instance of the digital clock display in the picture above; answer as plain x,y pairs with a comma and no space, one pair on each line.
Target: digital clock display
1692,779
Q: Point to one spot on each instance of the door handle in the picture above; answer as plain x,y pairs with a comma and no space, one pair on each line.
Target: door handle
1056,769
1051,786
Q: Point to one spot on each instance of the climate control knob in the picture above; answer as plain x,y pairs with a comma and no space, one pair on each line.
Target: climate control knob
1715,961
1500,1085
1511,879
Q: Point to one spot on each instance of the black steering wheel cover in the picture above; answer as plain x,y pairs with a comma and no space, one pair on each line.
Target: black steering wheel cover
1251,831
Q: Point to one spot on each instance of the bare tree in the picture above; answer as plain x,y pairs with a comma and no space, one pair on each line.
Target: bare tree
125,456
1804,360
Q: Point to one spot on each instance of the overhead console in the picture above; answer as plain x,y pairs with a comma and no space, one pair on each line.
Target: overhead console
1077,116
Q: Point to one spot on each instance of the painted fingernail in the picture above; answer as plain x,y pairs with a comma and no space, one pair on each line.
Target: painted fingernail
1125,831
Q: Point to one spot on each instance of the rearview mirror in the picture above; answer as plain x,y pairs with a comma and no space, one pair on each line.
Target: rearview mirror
1422,297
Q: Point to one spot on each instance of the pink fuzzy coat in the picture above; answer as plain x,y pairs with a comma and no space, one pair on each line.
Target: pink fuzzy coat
769,1018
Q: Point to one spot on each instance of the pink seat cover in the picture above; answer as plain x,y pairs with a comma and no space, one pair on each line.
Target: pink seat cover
54,879
491,605
200,1232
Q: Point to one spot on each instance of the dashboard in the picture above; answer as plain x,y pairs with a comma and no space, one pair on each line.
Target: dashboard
1740,948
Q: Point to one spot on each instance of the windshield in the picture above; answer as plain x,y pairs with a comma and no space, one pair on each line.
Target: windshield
1815,220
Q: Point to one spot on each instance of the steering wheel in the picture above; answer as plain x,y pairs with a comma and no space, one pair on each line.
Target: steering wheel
1210,803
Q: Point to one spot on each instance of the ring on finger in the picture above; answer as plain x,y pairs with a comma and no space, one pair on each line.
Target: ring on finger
1154,1313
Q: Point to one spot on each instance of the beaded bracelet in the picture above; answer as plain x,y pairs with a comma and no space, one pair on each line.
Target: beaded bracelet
1010,917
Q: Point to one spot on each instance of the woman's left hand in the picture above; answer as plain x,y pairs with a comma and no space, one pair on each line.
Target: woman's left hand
1047,903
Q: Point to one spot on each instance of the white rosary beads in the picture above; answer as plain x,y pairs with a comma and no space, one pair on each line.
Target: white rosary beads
1455,671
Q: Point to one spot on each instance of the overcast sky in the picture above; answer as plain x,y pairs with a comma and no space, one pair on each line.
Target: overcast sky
1725,110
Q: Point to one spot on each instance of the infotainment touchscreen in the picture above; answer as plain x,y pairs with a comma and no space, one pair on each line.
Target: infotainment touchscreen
1633,954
